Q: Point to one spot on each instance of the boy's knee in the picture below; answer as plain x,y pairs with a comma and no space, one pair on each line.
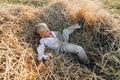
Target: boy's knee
80,50
82,55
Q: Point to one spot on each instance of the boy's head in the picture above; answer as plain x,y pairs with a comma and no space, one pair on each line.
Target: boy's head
42,30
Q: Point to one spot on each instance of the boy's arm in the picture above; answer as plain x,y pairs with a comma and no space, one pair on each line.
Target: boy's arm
58,34
69,30
40,50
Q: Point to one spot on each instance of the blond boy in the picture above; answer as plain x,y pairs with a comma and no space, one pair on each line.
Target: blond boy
51,40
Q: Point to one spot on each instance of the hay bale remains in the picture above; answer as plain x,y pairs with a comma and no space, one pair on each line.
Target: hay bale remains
16,54
18,43
59,14
99,36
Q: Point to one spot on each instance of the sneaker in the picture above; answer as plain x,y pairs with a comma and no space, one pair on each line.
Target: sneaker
81,22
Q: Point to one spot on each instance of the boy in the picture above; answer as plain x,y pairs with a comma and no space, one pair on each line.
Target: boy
51,40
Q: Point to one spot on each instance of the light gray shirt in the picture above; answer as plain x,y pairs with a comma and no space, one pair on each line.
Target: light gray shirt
51,42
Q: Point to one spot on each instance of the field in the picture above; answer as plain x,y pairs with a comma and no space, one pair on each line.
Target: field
100,37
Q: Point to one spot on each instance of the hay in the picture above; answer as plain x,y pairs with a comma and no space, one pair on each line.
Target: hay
18,43
16,56
59,14
99,36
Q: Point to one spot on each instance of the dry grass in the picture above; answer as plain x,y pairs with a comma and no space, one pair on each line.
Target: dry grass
18,42
16,58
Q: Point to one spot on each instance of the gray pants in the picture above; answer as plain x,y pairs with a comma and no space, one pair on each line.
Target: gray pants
72,48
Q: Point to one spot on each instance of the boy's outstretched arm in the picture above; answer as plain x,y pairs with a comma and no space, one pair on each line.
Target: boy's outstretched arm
41,50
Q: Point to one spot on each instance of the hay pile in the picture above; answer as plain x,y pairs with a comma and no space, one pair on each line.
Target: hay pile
16,54
99,36
18,42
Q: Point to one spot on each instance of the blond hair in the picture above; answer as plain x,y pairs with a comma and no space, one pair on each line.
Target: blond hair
40,27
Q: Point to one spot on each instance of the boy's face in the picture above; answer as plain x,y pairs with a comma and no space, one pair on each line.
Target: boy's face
46,33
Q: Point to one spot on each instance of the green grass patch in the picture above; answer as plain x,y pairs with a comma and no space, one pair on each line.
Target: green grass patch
115,4
35,3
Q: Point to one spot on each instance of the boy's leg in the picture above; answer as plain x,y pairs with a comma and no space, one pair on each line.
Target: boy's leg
69,30
72,48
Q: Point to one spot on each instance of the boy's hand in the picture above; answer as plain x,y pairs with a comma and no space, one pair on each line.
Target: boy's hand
81,22
41,66
40,63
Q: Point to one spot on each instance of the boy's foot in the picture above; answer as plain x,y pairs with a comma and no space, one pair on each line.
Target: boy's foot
81,22
85,63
